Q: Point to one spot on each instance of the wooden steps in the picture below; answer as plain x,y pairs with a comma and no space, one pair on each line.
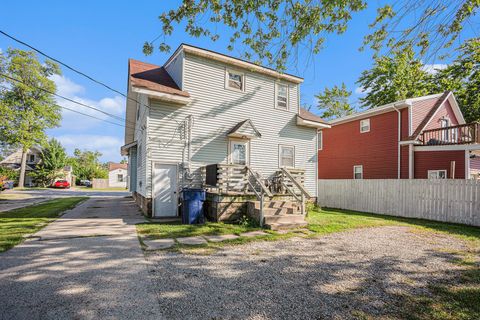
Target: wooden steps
280,214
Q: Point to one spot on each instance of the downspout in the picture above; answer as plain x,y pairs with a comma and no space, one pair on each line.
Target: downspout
399,139
188,173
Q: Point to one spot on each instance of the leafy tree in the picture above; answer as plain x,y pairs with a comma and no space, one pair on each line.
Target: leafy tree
432,26
334,102
53,161
26,111
8,174
272,31
394,78
86,165
463,78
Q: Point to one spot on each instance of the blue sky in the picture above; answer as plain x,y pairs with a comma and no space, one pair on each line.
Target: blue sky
98,37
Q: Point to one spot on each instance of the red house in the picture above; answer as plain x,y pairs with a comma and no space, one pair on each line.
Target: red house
418,138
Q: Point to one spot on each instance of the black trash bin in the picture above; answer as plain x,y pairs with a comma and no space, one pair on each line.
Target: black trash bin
192,206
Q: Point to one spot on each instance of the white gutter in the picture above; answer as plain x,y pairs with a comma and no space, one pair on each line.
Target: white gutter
163,96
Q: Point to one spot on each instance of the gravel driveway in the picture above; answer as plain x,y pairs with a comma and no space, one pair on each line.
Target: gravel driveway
334,277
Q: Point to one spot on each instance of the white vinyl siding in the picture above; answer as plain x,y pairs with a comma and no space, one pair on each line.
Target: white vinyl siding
175,69
216,111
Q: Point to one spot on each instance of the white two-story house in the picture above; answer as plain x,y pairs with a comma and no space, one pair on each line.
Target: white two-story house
204,110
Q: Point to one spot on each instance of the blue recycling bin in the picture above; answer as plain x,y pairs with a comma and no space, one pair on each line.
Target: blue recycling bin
192,206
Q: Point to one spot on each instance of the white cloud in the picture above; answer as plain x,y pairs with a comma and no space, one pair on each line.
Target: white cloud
434,68
66,87
361,90
109,146
73,120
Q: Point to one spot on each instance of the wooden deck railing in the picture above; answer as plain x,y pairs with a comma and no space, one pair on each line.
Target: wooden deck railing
461,134
238,179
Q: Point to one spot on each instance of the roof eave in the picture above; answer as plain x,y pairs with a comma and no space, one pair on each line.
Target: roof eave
173,98
312,124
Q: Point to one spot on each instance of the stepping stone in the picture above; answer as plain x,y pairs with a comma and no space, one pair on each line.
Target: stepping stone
222,237
159,244
192,240
254,233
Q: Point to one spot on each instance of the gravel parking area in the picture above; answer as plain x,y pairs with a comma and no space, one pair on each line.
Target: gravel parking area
340,276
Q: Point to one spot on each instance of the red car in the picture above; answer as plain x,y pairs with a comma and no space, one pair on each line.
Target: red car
61,184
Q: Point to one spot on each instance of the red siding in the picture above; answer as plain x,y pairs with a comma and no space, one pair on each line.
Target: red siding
445,111
404,123
439,160
404,162
344,146
420,110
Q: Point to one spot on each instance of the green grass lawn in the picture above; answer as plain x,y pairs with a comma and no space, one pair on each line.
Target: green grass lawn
17,223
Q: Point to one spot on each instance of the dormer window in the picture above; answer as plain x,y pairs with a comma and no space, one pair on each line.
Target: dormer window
235,80
31,158
364,125
281,96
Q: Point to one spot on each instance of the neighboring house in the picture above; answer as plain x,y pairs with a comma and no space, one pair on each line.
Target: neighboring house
420,138
204,112
117,175
14,160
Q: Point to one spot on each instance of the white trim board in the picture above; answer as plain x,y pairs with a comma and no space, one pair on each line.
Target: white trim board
457,147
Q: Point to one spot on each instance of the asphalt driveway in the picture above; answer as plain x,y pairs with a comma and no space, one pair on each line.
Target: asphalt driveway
86,265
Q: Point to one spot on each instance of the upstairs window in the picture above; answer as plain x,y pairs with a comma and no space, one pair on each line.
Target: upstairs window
286,156
235,80
31,158
364,125
357,172
320,140
282,97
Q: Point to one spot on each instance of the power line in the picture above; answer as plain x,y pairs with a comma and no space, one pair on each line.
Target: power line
168,117
63,97
79,112
62,63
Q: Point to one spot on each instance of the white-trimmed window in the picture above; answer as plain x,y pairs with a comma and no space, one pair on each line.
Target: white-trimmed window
320,140
358,172
286,156
31,158
119,177
437,174
235,80
281,96
364,125
239,152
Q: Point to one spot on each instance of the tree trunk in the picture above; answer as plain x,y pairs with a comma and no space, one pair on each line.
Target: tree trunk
23,167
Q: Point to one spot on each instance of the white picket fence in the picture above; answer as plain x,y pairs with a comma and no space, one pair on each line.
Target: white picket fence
455,201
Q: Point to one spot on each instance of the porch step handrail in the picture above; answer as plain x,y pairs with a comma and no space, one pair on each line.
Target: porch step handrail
258,181
296,183
259,194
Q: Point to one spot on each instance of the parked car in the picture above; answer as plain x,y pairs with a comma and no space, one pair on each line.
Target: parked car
61,184
86,183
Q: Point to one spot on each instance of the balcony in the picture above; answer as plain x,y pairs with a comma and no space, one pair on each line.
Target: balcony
461,134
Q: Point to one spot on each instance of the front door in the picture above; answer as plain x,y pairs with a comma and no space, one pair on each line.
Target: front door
165,190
